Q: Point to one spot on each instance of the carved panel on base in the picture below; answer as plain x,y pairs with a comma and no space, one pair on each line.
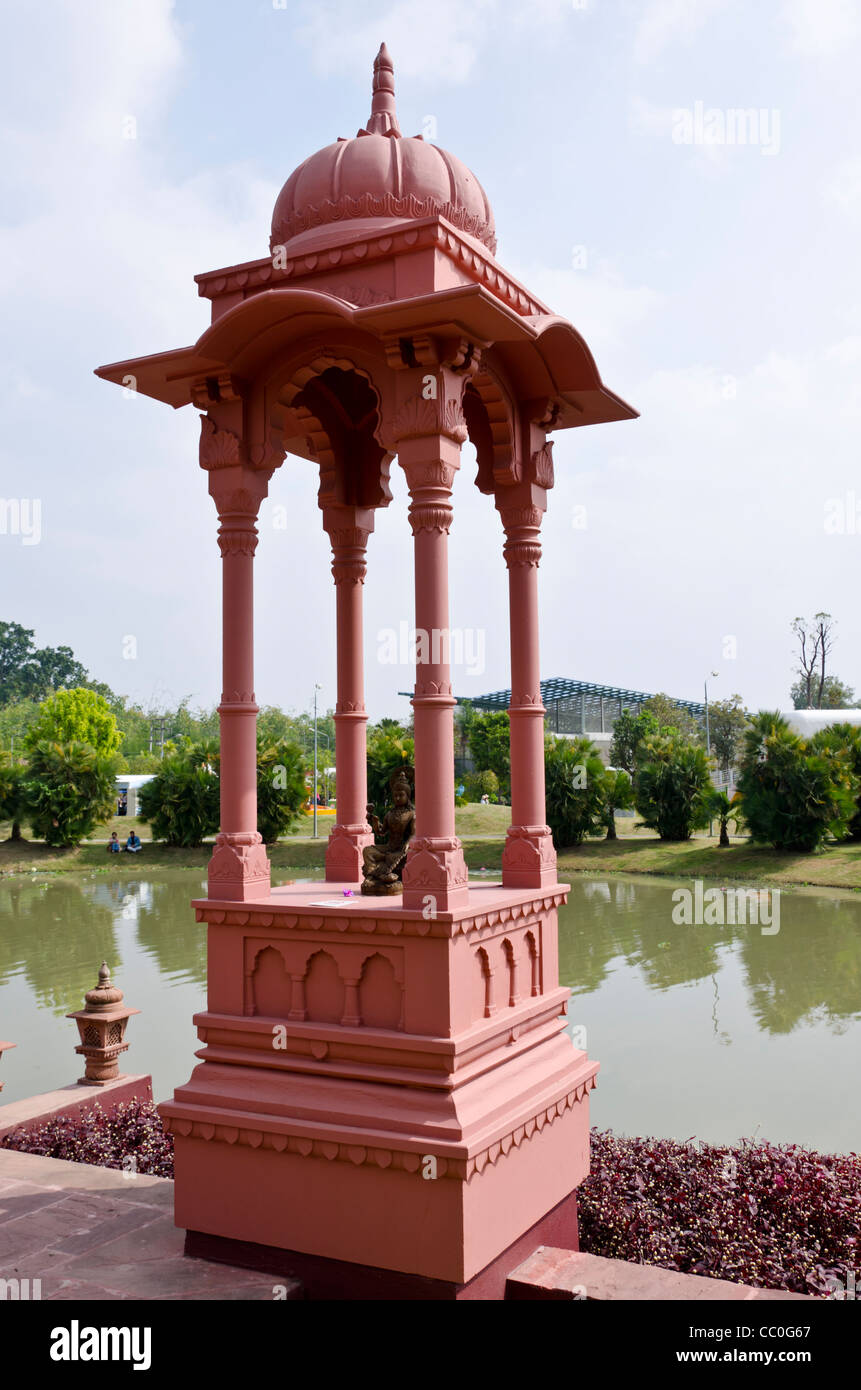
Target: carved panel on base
529,857
239,869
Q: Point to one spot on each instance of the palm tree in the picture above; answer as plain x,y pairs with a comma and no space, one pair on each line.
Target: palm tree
724,809
618,796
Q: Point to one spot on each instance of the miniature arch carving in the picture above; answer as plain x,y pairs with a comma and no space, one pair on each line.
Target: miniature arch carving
486,1005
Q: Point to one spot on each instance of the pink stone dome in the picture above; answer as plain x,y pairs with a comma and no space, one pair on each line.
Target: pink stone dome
382,174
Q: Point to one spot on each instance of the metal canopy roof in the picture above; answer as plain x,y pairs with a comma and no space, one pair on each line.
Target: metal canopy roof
561,688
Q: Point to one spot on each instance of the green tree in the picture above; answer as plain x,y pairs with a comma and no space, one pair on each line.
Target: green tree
281,790
793,796
629,732
479,784
69,790
835,695
386,753
727,723
669,715
815,641
13,799
76,716
488,732
843,741
618,796
574,788
671,785
181,803
28,672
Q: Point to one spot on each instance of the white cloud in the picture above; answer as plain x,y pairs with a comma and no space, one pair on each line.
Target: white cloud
439,40
822,28
843,185
596,299
665,22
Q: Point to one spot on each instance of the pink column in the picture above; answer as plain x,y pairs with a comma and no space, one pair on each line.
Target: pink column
239,867
529,859
348,529
435,876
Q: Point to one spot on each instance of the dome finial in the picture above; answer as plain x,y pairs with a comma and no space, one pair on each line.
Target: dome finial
383,119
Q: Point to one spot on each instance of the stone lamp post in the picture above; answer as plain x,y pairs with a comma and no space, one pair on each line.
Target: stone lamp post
102,1027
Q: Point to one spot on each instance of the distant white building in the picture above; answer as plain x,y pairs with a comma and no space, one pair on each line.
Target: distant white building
807,722
128,784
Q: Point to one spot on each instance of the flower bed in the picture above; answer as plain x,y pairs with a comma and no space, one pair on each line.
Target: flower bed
130,1136
775,1216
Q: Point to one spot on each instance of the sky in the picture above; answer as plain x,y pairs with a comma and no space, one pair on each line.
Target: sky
718,284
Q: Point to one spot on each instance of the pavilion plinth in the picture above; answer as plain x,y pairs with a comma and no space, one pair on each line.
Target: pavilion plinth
369,1119
385,1091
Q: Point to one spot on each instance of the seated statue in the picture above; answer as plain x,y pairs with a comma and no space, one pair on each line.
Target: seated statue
384,863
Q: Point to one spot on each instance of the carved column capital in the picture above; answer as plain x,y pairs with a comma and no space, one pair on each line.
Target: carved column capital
522,535
348,529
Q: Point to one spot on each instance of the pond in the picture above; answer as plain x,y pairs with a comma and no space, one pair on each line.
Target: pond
716,1032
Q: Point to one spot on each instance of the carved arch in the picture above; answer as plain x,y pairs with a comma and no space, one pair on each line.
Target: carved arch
489,415
303,403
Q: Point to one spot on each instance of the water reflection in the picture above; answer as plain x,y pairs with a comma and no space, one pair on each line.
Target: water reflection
714,1031
809,971
717,1031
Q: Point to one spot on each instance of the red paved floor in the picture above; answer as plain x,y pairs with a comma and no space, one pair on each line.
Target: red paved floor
99,1234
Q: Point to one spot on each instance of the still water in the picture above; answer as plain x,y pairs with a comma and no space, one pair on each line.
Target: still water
713,1032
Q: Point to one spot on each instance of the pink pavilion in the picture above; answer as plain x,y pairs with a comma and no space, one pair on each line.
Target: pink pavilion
386,1103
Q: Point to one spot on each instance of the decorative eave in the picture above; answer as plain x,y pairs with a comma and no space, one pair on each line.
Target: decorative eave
545,357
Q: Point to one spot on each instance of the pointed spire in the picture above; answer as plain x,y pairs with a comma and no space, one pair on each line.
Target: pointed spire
383,119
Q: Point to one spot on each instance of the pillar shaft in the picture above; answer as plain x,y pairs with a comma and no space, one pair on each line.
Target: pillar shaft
529,860
435,875
239,868
348,529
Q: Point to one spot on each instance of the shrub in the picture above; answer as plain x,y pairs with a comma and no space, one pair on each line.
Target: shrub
76,716
479,784
843,741
629,733
792,795
105,1138
386,753
671,785
69,790
575,792
181,803
488,734
775,1216
13,800
618,796
281,789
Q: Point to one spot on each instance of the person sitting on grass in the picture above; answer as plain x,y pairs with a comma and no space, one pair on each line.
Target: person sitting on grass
133,844
114,843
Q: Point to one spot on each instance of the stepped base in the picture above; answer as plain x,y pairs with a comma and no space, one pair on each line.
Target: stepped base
340,1280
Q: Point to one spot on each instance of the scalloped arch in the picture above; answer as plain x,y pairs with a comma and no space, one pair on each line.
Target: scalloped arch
490,422
286,419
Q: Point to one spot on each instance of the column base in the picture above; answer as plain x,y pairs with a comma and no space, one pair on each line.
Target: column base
435,875
342,1280
344,853
529,857
239,870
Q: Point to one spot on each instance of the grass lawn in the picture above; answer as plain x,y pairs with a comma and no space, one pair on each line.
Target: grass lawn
482,830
